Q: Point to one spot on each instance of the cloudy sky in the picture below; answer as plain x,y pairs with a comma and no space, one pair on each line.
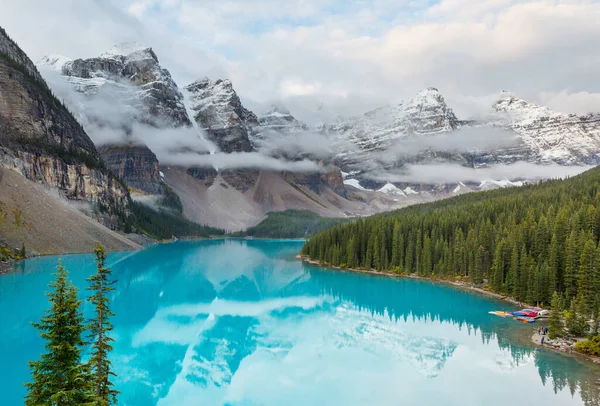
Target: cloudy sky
327,57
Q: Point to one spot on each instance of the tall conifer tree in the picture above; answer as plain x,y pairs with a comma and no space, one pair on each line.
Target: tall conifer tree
100,329
59,377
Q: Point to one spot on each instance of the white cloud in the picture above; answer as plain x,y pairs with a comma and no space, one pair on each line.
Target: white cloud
468,139
238,160
349,55
581,103
450,173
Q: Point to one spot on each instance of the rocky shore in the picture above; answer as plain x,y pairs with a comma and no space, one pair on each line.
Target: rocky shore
562,345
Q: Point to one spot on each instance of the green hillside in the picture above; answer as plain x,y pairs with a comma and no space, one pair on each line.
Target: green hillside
291,224
526,242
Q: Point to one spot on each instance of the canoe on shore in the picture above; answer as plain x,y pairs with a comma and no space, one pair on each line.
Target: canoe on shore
500,313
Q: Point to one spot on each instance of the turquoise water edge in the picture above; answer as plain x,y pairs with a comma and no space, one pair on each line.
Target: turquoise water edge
243,322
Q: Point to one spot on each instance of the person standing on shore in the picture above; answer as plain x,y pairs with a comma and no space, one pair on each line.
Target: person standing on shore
542,340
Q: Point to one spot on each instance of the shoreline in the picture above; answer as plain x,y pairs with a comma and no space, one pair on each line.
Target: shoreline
534,339
458,284
7,267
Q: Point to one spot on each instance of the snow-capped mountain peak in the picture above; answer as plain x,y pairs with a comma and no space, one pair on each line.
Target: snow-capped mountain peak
549,135
217,109
391,189
278,118
125,49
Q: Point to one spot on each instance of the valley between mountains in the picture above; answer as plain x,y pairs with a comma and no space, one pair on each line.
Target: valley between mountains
114,146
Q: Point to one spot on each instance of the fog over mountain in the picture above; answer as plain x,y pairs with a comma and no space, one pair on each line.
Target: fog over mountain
343,108
325,58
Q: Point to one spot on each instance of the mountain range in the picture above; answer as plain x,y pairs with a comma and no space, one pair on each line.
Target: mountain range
227,166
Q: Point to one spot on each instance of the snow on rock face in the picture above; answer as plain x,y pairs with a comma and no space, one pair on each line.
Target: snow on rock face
354,183
498,184
279,119
218,110
553,136
424,114
128,81
390,189
410,191
136,72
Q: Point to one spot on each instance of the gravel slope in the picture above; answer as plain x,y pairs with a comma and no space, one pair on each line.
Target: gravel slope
50,225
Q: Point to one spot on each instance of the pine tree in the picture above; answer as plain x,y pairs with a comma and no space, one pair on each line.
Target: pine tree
498,268
587,276
556,326
100,328
350,254
59,377
571,266
575,321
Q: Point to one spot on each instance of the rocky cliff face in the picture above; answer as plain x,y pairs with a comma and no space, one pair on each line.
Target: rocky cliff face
425,114
31,115
219,112
550,136
318,182
40,139
132,75
137,164
279,119
136,70
540,136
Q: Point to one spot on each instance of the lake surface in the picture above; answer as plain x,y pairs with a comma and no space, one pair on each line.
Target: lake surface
236,322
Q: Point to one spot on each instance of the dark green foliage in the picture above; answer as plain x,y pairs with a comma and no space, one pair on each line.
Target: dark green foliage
171,200
290,224
589,347
162,224
527,242
556,324
59,377
576,321
6,254
100,327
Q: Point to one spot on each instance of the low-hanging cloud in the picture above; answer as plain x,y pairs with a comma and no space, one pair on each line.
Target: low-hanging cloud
239,160
466,139
451,173
302,143
110,117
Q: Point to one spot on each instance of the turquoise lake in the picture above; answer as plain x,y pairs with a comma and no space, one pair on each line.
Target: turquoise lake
243,322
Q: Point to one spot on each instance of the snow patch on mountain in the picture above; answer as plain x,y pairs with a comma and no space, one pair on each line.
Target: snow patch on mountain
392,190
354,183
553,136
498,184
218,110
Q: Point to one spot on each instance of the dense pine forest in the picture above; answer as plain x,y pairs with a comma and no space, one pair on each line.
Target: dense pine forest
162,224
290,224
526,242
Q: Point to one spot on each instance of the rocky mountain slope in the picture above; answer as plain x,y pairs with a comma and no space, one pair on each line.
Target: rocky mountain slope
365,148
424,114
42,142
551,136
131,76
218,111
220,197
48,223
384,139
